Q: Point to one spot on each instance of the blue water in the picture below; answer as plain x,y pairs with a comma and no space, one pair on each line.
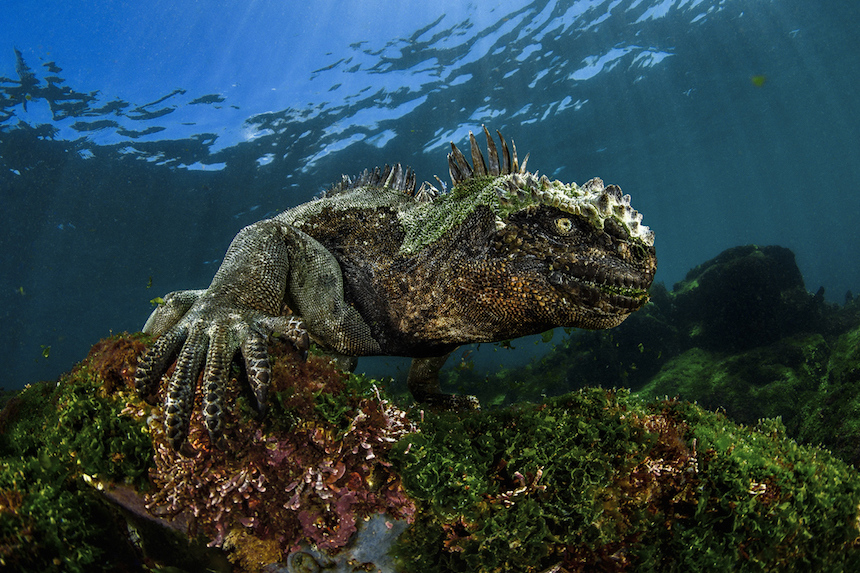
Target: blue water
136,141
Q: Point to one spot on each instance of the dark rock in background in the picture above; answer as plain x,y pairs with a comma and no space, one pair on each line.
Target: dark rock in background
745,297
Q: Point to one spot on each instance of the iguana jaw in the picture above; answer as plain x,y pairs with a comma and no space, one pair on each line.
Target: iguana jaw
596,279
602,296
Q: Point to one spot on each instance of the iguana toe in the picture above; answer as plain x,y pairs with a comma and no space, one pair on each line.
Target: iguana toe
423,382
170,311
182,385
256,355
215,377
157,359
258,369
209,344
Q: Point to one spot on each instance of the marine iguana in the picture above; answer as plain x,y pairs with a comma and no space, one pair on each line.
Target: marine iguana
376,267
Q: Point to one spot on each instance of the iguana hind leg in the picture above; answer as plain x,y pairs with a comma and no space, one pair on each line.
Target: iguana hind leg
423,382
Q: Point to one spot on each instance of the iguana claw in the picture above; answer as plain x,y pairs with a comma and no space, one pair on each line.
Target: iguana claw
206,338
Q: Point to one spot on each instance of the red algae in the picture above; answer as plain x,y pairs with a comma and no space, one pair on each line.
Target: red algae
309,472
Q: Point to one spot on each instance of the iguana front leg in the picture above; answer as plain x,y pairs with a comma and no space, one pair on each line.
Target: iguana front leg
268,266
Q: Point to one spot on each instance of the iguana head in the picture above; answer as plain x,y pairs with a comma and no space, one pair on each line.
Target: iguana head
558,255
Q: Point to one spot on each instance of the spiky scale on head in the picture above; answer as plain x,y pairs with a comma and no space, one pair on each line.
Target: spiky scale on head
503,185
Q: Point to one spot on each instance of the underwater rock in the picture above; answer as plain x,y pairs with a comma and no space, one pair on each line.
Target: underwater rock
744,297
310,474
337,478
777,380
595,481
371,544
766,348
829,416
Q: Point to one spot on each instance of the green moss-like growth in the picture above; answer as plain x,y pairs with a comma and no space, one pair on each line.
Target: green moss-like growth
767,504
832,414
491,481
58,441
594,481
50,521
811,382
589,481
766,382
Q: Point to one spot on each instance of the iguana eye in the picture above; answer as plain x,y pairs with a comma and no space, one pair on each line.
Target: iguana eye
564,225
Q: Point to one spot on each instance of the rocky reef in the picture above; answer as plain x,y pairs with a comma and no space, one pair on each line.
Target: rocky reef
339,477
597,481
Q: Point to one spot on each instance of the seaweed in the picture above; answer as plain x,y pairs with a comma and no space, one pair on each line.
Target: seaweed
309,473
594,480
598,481
58,442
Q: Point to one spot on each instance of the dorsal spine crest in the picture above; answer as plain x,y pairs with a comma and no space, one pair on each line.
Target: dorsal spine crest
502,184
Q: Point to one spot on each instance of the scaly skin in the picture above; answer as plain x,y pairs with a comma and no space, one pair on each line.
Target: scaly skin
378,268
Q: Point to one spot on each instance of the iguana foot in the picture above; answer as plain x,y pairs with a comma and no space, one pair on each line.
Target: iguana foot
202,336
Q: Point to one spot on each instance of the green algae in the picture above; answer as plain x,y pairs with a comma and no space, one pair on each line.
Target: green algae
812,383
596,480
768,503
832,415
507,490
58,443
762,383
49,521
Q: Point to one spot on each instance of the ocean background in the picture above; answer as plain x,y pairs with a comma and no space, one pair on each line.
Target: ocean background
137,139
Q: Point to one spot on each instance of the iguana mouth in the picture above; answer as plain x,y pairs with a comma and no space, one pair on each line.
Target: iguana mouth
619,291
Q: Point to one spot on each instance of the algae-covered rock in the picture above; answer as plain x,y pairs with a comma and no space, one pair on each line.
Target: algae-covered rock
765,382
338,478
57,441
595,481
832,414
811,382
91,484
744,297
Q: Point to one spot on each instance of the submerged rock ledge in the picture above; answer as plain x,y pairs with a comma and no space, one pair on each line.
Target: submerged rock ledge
593,480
